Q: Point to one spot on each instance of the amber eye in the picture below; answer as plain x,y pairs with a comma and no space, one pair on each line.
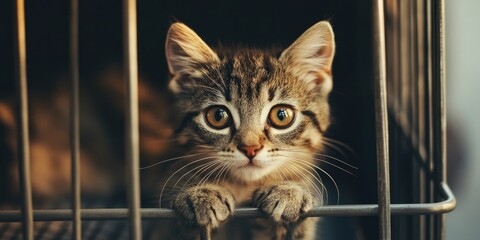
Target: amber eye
281,116
218,117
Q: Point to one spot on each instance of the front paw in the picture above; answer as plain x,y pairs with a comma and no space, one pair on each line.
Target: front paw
285,202
205,206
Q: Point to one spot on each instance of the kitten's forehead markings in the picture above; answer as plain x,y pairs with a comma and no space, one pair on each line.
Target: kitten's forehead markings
314,119
271,94
235,115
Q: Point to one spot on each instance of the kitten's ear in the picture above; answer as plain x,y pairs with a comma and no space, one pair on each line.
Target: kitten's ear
310,57
185,50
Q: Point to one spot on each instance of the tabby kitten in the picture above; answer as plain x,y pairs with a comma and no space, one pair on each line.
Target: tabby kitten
253,121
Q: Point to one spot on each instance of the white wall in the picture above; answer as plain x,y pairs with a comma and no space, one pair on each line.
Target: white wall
463,102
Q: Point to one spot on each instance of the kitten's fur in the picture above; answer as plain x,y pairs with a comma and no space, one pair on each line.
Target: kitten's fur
216,175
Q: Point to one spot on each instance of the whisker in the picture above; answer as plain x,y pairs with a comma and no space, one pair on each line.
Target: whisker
333,165
172,159
221,78
340,143
329,176
208,76
197,169
206,176
219,175
205,146
334,147
183,167
230,165
302,161
214,90
204,180
282,173
336,159
298,172
327,162
315,177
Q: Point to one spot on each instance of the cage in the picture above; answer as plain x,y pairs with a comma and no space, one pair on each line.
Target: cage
389,77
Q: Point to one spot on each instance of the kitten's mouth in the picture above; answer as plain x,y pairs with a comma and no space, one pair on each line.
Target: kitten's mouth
252,163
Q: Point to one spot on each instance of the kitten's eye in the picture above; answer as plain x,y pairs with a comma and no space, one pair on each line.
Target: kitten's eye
218,117
281,116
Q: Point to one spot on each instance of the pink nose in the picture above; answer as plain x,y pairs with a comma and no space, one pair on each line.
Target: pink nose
251,150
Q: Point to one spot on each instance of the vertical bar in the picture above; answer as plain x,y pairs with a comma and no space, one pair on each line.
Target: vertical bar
381,120
420,221
206,233
442,85
75,120
132,132
442,131
430,117
23,134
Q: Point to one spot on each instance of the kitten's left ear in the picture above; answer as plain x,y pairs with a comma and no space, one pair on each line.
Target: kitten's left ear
310,57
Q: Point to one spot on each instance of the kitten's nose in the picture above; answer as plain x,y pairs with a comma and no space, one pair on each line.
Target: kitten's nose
251,150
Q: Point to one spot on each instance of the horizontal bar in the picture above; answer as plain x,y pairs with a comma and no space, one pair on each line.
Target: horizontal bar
161,213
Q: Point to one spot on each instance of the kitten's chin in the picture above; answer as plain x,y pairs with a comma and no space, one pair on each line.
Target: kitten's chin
250,173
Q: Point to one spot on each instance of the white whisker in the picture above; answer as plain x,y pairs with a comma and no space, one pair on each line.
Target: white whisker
334,158
197,169
207,176
333,165
172,159
166,182
214,90
221,78
320,194
331,140
209,77
329,176
219,175
323,160
302,161
297,174
332,146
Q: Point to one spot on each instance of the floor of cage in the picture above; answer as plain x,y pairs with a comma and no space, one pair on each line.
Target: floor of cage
62,230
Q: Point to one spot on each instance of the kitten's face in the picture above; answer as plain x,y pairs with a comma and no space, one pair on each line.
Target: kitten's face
252,112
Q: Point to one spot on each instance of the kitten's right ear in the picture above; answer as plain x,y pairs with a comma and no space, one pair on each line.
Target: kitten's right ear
185,50
310,57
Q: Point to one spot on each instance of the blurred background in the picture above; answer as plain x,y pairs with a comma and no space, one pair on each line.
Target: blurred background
463,98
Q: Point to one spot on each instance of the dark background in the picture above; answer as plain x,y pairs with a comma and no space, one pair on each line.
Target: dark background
254,23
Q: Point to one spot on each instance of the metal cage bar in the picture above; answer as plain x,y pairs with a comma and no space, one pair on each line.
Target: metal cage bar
75,121
131,127
23,133
162,213
381,120
440,107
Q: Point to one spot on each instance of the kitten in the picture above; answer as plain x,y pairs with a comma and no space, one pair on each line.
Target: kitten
252,121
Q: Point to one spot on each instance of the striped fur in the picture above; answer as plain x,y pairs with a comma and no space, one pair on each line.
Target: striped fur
248,82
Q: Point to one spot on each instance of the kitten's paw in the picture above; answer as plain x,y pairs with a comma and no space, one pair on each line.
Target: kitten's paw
285,202
205,206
